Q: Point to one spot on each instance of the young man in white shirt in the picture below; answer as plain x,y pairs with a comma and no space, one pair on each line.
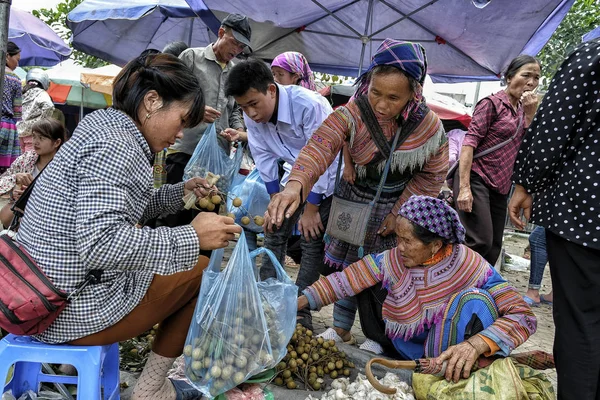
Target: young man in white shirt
280,120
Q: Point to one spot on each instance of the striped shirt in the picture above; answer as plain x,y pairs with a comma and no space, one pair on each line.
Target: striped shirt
425,150
82,215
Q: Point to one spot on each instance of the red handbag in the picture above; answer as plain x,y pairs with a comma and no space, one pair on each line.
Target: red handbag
29,302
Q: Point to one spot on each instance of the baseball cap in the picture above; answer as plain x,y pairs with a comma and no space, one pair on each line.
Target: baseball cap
240,27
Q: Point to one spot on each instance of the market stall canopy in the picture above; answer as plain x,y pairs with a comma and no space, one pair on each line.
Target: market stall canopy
463,42
117,31
101,79
66,88
40,45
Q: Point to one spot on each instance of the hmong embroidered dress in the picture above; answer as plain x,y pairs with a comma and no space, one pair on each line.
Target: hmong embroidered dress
11,113
427,308
419,166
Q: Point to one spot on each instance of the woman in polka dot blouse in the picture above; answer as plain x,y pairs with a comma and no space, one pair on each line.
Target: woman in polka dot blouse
481,185
559,163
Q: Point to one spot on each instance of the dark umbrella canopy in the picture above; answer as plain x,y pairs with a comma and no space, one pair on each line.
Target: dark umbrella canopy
117,30
39,44
462,41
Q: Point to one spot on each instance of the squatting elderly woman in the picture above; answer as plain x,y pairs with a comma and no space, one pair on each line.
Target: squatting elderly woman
436,297
83,215
391,91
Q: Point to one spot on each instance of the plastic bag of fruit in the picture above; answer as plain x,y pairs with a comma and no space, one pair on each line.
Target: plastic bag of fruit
254,199
241,326
209,156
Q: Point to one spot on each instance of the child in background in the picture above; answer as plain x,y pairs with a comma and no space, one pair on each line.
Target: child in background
47,136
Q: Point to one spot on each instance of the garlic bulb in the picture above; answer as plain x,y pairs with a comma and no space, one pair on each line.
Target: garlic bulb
361,388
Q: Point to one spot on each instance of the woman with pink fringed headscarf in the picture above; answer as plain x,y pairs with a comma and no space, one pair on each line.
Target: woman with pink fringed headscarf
291,68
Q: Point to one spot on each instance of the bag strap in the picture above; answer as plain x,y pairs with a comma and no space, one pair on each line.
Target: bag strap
501,144
370,120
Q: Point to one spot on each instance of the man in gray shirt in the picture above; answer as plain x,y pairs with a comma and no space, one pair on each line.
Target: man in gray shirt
211,64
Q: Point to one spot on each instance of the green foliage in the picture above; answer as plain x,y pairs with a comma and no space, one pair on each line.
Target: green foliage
582,18
57,19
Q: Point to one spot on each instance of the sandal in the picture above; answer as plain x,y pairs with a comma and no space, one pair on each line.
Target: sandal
544,301
532,303
185,391
331,334
371,346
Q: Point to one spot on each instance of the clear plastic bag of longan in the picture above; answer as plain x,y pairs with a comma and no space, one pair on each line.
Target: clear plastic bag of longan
210,157
248,197
240,328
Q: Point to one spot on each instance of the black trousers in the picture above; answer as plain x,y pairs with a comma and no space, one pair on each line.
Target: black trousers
575,271
485,223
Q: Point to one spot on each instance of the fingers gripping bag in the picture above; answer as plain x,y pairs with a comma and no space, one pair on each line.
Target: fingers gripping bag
254,196
209,157
241,326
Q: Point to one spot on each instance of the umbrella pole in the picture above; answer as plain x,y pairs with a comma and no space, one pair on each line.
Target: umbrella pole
81,106
4,19
191,31
365,39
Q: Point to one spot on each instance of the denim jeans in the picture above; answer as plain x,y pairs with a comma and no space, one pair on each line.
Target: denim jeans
312,251
539,257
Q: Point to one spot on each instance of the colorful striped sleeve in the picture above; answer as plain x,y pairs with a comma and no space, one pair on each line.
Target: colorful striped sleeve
516,322
428,181
354,279
320,150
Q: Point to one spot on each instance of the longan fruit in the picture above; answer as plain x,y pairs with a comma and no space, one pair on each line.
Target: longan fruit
258,220
216,199
210,207
245,220
237,202
203,203
231,215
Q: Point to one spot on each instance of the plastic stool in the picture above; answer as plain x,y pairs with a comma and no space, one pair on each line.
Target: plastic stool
97,367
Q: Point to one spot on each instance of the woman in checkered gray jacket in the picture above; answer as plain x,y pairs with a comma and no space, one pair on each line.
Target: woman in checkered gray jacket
85,210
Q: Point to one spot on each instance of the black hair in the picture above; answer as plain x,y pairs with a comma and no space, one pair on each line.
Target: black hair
426,236
12,49
385,69
517,63
165,73
248,74
50,128
175,48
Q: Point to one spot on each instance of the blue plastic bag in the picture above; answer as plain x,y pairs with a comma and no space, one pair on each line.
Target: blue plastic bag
210,157
255,199
241,326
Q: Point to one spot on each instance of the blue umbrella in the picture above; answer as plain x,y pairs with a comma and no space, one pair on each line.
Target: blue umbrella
39,44
462,40
117,30
593,34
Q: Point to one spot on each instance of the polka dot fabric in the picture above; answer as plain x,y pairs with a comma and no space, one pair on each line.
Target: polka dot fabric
435,215
558,161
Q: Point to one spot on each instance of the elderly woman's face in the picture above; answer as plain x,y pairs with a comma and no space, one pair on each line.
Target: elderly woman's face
388,94
525,79
413,251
